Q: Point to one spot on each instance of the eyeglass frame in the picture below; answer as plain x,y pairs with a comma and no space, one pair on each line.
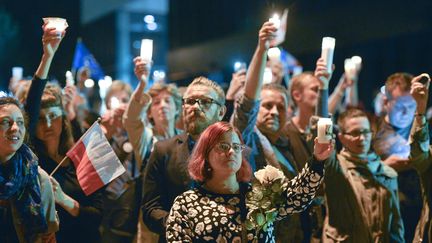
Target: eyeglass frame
199,101
230,145
363,132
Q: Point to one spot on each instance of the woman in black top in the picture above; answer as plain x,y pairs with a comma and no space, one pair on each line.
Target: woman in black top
51,136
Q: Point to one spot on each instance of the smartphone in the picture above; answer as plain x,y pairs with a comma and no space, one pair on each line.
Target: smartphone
424,79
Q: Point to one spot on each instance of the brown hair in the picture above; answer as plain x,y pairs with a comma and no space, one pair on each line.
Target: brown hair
117,85
209,83
297,83
157,88
348,114
281,89
401,80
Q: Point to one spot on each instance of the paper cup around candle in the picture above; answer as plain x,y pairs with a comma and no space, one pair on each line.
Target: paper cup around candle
59,24
350,68
325,130
69,79
146,49
357,62
268,76
275,20
328,45
274,54
17,73
114,103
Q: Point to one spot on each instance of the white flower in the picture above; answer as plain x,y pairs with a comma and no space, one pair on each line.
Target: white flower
268,174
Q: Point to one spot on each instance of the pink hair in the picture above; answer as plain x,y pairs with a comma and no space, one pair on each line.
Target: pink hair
198,163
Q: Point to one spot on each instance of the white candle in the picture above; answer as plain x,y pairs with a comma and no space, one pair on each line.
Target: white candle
69,79
59,24
325,130
275,20
350,68
357,62
146,49
17,73
268,76
328,45
114,103
274,54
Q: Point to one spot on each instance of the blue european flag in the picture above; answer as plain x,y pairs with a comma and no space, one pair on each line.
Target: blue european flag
83,58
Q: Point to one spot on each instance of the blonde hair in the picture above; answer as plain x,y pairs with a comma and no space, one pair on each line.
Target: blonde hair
116,86
209,83
298,82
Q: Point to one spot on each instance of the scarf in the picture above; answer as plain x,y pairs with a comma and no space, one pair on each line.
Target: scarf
19,185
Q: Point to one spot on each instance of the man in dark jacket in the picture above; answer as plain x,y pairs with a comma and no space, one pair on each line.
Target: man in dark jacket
166,174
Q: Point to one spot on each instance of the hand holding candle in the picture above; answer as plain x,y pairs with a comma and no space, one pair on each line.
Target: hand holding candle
146,54
325,130
275,20
59,24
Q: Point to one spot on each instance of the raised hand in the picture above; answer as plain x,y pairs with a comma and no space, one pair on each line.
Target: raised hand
69,97
323,150
142,69
266,34
51,40
321,72
420,92
237,83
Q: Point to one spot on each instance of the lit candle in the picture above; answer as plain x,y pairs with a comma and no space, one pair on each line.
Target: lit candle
69,79
17,73
350,68
147,49
114,103
274,54
268,76
325,130
357,62
275,20
59,24
328,45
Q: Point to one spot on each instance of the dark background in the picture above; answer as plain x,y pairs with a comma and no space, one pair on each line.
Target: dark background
206,37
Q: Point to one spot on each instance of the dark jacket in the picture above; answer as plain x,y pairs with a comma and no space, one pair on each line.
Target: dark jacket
362,206
422,161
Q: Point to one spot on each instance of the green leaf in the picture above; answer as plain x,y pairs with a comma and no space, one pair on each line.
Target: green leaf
260,219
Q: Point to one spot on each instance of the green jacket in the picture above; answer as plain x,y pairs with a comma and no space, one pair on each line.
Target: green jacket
362,206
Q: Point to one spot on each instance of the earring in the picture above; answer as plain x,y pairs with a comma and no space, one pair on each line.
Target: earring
209,169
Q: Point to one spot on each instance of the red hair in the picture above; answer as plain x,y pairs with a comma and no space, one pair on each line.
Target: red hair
198,162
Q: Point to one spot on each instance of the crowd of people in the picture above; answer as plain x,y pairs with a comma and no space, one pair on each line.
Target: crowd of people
192,155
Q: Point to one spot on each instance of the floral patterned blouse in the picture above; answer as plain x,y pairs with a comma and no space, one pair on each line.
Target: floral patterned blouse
201,215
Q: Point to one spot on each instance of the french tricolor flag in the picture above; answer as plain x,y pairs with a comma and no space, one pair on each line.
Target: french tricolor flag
95,161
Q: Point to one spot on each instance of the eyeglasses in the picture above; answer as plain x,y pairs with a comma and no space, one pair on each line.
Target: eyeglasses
202,102
225,147
357,134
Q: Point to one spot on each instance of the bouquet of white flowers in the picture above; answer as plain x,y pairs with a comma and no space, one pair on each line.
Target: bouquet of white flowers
264,199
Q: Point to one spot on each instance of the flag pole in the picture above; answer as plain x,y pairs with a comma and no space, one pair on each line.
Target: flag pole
58,166
64,159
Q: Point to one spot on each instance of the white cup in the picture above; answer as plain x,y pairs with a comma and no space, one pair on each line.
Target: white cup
325,130
59,24
17,73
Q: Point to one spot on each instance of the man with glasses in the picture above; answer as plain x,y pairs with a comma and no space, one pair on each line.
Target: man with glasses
361,192
166,174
